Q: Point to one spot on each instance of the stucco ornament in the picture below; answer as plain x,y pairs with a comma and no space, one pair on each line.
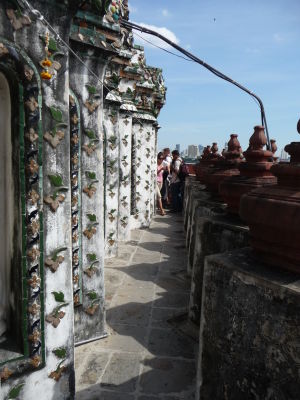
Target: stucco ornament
54,261
56,134
5,374
49,64
124,221
90,189
91,146
111,241
56,197
93,101
57,314
3,50
18,19
94,303
90,231
125,140
92,269
56,375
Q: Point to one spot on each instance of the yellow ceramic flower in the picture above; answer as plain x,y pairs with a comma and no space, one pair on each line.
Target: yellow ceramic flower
46,63
46,75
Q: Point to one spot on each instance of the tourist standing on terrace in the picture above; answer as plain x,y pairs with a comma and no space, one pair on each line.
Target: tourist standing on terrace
166,176
160,170
175,184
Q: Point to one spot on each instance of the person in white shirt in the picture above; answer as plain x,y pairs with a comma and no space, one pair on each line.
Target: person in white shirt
175,183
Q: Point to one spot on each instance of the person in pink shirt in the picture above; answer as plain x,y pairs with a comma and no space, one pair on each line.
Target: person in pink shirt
160,170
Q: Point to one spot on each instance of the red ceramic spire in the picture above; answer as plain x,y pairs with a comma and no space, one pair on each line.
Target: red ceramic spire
273,214
255,172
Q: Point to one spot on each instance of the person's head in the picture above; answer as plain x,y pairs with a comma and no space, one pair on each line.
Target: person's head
175,154
160,158
166,152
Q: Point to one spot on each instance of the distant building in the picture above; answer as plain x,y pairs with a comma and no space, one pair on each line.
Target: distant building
178,148
200,148
284,155
193,151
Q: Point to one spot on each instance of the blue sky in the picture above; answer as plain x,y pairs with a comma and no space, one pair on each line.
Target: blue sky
254,42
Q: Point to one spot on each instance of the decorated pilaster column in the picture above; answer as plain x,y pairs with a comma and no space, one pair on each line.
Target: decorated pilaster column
112,164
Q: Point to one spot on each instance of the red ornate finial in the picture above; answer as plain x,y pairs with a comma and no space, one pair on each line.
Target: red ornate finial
234,145
258,140
214,148
206,152
273,146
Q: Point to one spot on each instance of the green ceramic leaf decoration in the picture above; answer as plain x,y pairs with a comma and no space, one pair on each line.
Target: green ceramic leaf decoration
52,45
92,257
59,296
90,134
91,89
56,114
92,295
56,180
92,217
60,353
15,391
91,175
56,252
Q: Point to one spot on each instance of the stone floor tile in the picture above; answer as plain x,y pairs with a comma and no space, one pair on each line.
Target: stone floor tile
160,316
94,367
136,234
171,283
129,293
165,375
122,373
80,356
132,313
140,284
97,394
171,299
123,338
113,277
143,271
169,342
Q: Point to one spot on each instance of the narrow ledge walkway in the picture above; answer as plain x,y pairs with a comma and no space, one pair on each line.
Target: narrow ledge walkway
145,357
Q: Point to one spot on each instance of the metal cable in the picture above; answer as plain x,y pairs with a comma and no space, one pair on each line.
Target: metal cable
142,29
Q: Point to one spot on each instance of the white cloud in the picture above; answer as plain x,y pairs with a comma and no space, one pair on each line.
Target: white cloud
153,39
166,13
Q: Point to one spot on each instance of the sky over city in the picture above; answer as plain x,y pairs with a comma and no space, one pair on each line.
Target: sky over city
254,42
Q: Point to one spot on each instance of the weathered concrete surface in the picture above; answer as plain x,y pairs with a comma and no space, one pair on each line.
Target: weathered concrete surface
144,358
212,235
249,330
200,207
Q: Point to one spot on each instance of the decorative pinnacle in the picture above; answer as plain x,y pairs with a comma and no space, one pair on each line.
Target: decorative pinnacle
258,140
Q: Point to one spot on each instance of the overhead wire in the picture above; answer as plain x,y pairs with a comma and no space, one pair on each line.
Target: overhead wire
161,48
134,26
179,56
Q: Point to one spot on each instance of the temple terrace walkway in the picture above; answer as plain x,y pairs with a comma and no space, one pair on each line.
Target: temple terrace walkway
146,355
